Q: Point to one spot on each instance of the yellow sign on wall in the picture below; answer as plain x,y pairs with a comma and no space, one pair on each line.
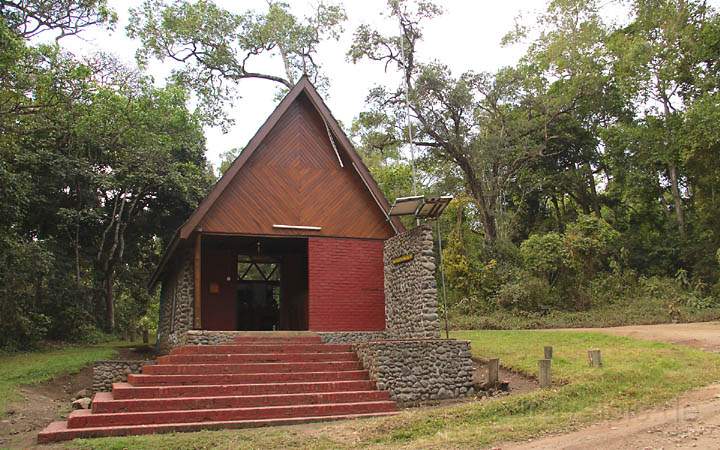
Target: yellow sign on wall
402,259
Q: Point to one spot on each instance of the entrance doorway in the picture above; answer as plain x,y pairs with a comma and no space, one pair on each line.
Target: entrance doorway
258,293
254,283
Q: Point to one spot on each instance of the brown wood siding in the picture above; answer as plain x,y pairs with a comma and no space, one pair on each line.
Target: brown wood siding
294,178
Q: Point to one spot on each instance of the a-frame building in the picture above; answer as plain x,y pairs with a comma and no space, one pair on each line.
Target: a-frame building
295,236
290,238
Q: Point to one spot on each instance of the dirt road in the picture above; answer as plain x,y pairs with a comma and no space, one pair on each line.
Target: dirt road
704,335
693,422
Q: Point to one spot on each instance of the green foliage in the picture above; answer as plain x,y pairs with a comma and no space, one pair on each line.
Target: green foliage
214,46
595,158
546,255
98,167
23,266
227,158
590,242
527,294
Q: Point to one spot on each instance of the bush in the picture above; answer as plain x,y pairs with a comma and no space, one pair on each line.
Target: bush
23,266
615,299
545,255
591,243
527,294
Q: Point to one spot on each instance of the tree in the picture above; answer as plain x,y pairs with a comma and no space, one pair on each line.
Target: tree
218,48
662,64
29,18
151,149
227,158
95,163
490,126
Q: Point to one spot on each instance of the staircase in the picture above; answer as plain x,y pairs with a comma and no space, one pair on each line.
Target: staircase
260,379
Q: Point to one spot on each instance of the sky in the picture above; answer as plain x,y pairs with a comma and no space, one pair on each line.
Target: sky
466,37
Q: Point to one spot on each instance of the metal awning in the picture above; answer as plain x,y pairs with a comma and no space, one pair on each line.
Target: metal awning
420,206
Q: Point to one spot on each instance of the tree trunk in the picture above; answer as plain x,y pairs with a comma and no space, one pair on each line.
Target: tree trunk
594,201
488,217
673,175
77,252
477,191
286,64
489,226
459,215
558,213
109,302
77,234
677,199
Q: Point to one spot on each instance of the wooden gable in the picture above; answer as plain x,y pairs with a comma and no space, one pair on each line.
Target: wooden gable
294,178
289,174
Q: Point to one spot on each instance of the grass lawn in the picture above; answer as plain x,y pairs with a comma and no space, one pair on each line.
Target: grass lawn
36,367
637,374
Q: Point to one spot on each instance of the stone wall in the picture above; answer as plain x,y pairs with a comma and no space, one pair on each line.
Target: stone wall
411,308
105,373
419,370
345,337
208,337
177,304
205,337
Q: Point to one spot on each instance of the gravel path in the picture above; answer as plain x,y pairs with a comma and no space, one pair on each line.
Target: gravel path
692,422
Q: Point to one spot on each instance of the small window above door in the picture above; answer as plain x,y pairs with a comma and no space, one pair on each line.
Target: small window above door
257,268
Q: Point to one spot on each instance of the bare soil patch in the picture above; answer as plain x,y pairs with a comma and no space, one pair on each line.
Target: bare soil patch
38,406
701,335
691,422
50,401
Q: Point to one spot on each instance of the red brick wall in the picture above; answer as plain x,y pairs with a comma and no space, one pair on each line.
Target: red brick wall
346,285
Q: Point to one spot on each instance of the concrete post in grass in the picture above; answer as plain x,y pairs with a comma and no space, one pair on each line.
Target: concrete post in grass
545,372
493,367
594,358
548,352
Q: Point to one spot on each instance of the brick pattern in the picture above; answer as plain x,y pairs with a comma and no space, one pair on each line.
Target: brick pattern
346,285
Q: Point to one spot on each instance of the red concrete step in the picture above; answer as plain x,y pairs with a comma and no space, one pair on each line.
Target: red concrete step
128,391
236,358
85,418
260,348
314,339
200,369
235,378
58,431
103,402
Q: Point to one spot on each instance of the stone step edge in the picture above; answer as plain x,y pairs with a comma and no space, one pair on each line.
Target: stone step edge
263,355
268,364
289,345
216,370
124,386
146,376
104,398
89,412
58,431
